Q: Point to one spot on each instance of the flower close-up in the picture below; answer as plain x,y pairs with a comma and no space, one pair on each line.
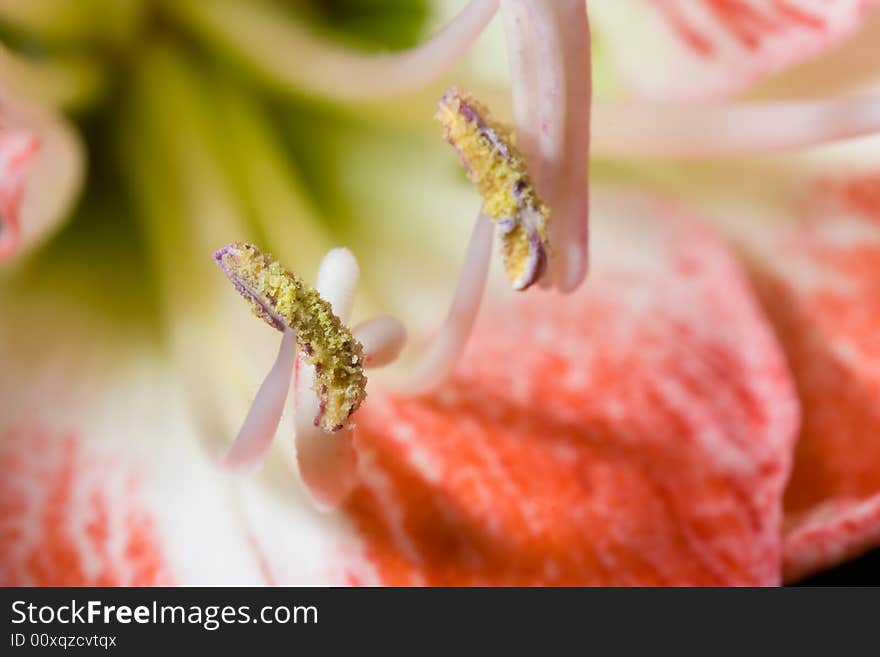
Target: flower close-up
432,293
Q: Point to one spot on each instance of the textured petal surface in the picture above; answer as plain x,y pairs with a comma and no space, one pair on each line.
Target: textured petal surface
822,293
69,521
636,433
17,150
709,48
831,534
105,482
39,151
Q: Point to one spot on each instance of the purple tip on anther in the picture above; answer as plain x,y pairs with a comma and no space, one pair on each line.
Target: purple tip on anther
536,264
227,259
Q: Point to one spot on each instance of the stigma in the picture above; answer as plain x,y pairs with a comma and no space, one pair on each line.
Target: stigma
499,171
282,300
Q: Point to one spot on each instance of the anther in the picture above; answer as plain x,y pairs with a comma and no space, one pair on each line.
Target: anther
499,171
282,300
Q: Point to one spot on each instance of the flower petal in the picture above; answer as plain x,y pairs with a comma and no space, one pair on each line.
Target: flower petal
17,150
710,48
820,289
68,520
635,433
41,153
106,483
831,534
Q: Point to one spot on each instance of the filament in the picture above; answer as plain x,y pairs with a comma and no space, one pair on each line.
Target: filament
291,56
692,131
447,346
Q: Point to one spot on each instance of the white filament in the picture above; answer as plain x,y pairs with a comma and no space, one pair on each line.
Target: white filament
294,57
524,80
250,447
573,194
441,356
549,45
688,130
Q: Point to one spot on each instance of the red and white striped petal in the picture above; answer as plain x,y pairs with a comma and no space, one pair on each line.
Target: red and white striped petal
698,49
17,151
69,519
106,483
41,171
637,432
821,290
830,534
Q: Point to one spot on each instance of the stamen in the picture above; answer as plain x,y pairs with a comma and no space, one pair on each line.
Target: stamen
572,251
500,173
292,56
327,462
281,299
524,80
686,130
550,73
253,441
550,90
440,357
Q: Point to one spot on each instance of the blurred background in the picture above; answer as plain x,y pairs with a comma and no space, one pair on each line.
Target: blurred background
134,76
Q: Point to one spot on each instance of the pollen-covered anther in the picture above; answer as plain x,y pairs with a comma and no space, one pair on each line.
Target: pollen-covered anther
499,171
282,299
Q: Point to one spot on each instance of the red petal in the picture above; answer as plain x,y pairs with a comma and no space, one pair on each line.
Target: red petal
705,48
62,523
636,433
831,534
823,297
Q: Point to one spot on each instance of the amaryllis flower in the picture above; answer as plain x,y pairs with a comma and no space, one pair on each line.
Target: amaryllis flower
670,377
